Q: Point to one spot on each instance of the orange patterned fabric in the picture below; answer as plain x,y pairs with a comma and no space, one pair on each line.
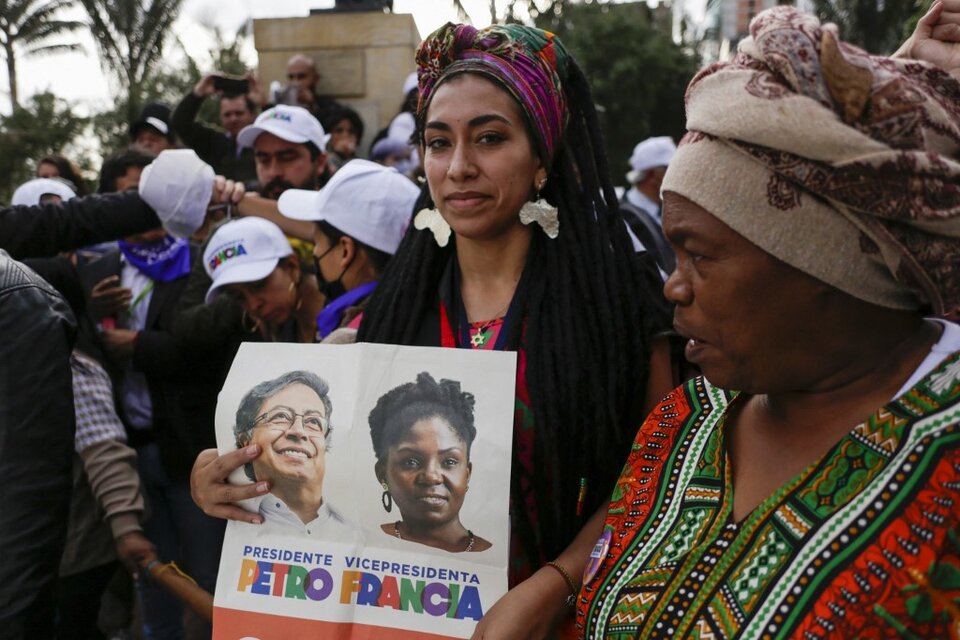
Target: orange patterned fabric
864,543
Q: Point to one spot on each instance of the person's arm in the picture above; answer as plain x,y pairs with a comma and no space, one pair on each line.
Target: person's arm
937,38
253,205
111,468
536,607
198,137
109,464
43,230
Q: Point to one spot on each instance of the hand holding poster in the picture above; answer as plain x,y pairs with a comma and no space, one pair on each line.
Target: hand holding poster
389,473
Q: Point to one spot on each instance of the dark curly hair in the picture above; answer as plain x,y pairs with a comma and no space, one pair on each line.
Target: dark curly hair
400,408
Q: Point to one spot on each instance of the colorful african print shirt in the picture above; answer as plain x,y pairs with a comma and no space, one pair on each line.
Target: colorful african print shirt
864,543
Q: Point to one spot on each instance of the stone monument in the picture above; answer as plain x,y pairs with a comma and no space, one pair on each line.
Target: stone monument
363,53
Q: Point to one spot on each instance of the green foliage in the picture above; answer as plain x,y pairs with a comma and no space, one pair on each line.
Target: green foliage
911,24
169,82
875,25
638,75
131,36
31,27
45,124
224,56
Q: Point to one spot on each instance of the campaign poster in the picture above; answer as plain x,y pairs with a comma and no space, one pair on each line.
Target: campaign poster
389,470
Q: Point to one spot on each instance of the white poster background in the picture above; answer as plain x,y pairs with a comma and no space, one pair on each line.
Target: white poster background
358,375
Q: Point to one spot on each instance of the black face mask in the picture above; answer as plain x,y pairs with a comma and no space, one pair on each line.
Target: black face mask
331,289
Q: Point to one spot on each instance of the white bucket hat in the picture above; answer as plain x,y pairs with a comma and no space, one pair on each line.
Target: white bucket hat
369,202
178,185
244,250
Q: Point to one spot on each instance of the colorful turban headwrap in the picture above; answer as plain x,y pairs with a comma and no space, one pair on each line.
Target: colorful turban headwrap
841,164
529,63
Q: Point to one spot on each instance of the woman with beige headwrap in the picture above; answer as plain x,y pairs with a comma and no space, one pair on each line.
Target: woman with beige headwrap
808,485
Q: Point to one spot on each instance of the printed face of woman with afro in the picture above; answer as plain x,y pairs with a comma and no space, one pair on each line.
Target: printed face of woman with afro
428,471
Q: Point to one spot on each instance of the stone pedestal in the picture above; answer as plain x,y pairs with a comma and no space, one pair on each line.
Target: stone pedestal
363,58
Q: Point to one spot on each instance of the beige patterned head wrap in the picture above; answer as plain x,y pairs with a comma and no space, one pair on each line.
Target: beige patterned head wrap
841,164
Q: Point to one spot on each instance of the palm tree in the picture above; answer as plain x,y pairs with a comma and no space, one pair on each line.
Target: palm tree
30,25
462,14
131,35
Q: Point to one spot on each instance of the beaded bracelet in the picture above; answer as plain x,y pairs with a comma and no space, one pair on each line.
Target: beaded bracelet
572,598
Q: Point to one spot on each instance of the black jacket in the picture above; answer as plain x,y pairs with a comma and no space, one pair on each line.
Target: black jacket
36,445
178,380
214,147
43,230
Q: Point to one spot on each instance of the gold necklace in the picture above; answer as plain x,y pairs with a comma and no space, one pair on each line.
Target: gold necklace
478,339
471,539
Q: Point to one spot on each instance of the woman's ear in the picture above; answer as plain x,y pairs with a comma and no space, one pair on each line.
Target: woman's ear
379,471
347,250
539,179
292,264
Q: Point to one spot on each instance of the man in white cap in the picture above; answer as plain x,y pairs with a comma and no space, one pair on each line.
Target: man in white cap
288,146
361,217
287,142
641,203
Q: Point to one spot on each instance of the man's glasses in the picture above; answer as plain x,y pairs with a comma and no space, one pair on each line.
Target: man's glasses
296,76
282,418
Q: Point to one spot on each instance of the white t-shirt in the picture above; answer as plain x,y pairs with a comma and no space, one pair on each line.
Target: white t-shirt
948,343
329,523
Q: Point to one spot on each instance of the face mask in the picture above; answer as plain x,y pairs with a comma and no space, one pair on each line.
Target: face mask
331,289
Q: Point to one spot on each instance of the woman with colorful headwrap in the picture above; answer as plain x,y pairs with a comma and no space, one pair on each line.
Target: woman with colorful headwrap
807,486
519,245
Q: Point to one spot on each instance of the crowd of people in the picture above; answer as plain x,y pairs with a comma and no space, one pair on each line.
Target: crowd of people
771,302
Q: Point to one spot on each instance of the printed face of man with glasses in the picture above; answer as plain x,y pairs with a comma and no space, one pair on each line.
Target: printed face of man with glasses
289,417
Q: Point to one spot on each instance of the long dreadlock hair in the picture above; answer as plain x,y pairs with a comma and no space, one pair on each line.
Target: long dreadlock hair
589,306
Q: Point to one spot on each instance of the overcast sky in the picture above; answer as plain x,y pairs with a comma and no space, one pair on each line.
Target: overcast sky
80,79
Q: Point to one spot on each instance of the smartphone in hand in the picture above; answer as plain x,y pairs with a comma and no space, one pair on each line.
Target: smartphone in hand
231,86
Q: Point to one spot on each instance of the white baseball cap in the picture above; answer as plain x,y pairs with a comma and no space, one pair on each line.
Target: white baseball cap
409,83
244,250
369,202
178,185
293,124
652,152
30,192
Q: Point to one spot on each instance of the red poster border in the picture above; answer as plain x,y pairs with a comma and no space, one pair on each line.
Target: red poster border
233,624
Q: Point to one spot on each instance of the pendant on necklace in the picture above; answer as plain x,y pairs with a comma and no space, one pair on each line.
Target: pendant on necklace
478,339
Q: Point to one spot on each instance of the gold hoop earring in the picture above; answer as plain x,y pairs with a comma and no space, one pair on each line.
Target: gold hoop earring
297,299
245,319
